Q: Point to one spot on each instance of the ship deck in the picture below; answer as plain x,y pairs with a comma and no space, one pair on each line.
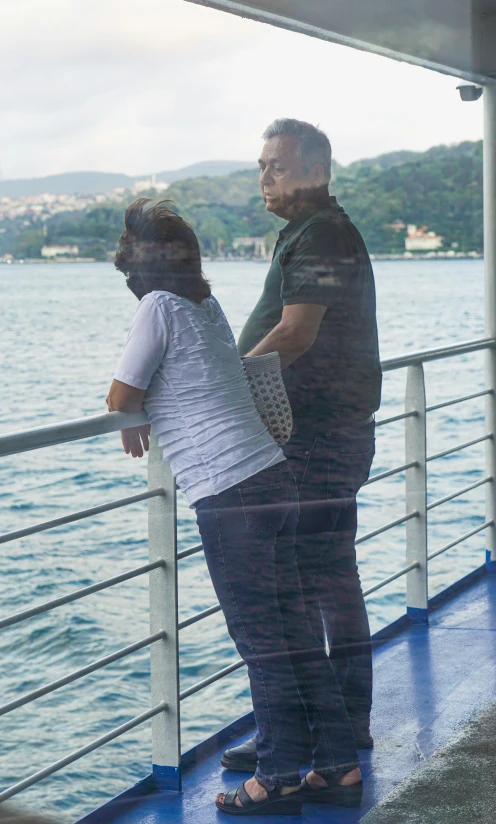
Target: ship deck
429,682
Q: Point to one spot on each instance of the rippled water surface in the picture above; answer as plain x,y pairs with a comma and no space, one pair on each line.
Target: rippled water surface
62,329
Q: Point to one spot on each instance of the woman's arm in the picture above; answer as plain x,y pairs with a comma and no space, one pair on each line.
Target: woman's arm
143,353
125,398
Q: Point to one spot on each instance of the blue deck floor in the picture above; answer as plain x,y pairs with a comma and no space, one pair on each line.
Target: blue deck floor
429,681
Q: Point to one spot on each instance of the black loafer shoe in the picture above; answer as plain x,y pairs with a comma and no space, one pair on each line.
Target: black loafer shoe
242,758
364,741
361,731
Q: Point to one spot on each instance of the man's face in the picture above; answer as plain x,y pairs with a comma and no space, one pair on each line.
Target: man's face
283,180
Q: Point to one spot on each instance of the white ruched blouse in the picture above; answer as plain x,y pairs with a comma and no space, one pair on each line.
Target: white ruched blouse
198,399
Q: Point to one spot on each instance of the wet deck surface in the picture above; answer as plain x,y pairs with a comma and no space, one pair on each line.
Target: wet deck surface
454,786
429,682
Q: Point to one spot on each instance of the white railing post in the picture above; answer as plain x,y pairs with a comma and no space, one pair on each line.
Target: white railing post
164,654
416,495
490,312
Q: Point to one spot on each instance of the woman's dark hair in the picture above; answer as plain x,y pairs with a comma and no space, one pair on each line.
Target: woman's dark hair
159,250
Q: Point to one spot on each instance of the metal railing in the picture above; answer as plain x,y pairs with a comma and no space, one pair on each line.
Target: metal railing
163,555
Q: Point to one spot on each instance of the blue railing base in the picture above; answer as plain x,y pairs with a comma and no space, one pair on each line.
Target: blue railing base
167,779
417,616
490,565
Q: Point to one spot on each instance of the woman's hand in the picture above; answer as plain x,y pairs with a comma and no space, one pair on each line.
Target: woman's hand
136,439
125,398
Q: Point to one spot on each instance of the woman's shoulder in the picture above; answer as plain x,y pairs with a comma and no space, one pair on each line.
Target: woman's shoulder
172,304
161,296
167,301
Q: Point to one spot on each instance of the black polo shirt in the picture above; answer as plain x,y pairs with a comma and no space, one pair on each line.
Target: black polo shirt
321,258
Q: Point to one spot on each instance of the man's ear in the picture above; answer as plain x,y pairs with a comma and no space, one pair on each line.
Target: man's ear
319,177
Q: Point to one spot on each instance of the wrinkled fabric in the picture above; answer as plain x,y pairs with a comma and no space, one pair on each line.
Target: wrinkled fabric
197,400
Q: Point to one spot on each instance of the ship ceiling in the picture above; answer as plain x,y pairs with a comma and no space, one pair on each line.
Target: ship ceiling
457,37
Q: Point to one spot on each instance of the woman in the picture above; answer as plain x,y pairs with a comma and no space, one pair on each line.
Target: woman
181,365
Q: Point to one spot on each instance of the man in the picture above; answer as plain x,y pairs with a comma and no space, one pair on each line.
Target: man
318,311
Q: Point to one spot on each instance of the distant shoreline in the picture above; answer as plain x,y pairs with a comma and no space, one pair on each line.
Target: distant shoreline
407,257
430,256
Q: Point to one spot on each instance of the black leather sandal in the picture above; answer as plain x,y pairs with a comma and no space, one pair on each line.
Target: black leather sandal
275,804
333,793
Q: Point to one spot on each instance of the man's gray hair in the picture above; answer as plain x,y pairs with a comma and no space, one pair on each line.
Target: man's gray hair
314,145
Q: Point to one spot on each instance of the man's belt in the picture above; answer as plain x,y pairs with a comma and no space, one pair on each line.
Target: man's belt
370,419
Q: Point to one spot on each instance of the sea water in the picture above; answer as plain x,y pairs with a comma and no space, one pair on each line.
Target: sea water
63,327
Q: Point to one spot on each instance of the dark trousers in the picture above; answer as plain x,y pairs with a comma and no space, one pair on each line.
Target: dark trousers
248,533
329,469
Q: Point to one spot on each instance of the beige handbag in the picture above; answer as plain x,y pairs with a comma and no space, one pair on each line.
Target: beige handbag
269,393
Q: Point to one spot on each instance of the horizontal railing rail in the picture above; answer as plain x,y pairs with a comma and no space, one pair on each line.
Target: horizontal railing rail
193,619
79,516
459,492
458,448
459,400
391,578
394,418
80,673
460,540
211,679
396,471
79,593
441,352
14,443
386,527
186,553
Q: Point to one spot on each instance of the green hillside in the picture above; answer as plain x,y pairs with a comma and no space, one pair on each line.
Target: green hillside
440,188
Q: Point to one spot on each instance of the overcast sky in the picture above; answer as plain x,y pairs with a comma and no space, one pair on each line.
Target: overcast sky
136,87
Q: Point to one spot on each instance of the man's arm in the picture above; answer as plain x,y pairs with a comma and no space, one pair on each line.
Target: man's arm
295,333
125,398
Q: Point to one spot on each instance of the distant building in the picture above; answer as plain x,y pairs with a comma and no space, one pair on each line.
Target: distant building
151,183
255,245
420,240
56,251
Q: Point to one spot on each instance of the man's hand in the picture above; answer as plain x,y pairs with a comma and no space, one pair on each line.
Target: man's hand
136,439
295,333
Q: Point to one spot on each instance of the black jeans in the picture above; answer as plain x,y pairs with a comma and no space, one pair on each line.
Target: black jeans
329,469
248,533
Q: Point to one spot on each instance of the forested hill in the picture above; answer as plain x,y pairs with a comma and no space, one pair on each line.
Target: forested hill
440,189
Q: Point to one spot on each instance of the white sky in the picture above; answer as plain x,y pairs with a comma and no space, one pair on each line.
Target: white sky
139,86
